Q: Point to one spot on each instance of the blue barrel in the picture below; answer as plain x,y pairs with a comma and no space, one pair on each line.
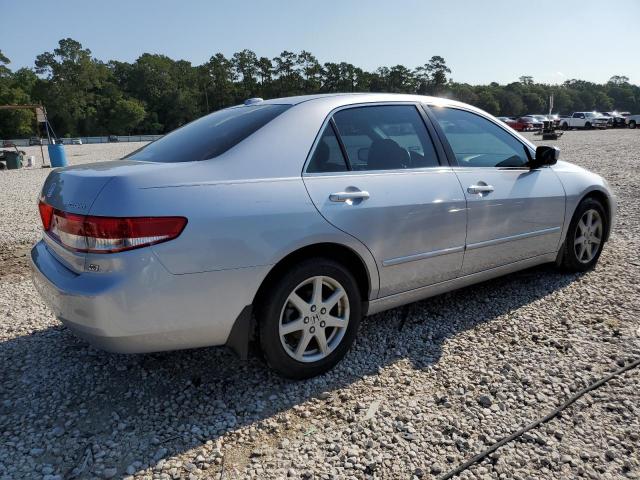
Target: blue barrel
57,157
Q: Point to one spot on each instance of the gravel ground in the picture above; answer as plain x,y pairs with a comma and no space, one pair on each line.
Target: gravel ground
425,387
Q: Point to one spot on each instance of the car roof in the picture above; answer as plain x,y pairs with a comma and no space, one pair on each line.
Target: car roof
364,97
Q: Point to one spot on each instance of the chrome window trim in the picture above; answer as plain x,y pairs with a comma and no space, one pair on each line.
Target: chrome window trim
368,173
493,169
329,117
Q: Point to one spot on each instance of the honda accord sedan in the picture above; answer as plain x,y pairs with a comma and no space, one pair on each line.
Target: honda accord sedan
282,223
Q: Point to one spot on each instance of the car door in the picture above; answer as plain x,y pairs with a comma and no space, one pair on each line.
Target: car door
375,174
513,212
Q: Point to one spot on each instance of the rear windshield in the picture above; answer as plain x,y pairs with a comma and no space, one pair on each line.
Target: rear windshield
209,136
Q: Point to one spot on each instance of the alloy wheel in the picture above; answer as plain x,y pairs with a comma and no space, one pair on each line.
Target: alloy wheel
588,236
314,319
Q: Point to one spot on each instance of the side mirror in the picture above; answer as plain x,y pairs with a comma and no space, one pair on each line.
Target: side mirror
545,155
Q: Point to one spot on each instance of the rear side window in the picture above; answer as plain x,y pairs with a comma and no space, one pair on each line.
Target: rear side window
385,137
477,142
327,156
209,136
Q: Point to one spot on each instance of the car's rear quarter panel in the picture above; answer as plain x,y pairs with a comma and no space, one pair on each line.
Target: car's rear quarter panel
232,224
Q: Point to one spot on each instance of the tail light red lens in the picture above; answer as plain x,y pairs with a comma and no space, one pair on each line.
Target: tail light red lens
84,233
46,213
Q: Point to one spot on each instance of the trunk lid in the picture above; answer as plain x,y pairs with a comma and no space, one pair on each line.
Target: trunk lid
74,189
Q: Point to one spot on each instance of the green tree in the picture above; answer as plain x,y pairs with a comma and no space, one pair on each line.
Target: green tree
511,103
72,88
437,69
400,79
126,115
15,89
526,80
156,94
220,81
311,71
4,61
245,64
619,80
289,81
533,103
487,102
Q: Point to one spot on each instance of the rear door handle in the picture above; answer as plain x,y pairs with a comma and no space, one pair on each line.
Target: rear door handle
345,196
480,189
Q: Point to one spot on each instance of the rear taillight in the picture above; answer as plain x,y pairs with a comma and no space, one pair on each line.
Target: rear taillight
84,233
46,212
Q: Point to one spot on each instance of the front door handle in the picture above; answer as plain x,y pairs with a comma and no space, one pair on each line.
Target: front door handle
480,189
349,196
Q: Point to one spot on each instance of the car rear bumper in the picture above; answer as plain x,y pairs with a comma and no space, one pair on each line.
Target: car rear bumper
145,308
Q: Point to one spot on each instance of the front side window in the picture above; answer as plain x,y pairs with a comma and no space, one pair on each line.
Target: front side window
327,157
477,142
209,136
385,137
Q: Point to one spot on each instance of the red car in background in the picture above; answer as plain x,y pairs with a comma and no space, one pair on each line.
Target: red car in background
523,124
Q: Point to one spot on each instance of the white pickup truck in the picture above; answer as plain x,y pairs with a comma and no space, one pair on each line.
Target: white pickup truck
586,120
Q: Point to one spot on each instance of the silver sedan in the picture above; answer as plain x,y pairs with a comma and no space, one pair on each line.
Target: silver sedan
284,222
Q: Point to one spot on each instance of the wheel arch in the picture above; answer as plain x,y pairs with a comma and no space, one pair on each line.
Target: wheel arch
334,251
243,332
604,199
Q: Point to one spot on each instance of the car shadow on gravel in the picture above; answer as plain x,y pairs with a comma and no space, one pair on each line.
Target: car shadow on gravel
65,403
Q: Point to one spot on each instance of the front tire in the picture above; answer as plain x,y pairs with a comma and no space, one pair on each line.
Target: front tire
587,126
309,317
632,124
585,237
565,126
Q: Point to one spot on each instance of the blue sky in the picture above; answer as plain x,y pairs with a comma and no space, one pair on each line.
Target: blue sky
482,41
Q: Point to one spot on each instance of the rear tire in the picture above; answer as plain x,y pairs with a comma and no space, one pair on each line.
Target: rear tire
585,238
303,333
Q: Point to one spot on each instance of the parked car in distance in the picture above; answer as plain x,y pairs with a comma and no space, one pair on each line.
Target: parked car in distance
35,141
526,124
617,119
555,118
69,141
113,138
288,220
8,144
632,121
606,116
586,120
546,120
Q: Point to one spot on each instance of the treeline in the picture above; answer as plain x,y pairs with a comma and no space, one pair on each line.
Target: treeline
155,94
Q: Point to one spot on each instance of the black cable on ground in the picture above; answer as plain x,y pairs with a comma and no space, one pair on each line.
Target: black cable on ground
482,455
